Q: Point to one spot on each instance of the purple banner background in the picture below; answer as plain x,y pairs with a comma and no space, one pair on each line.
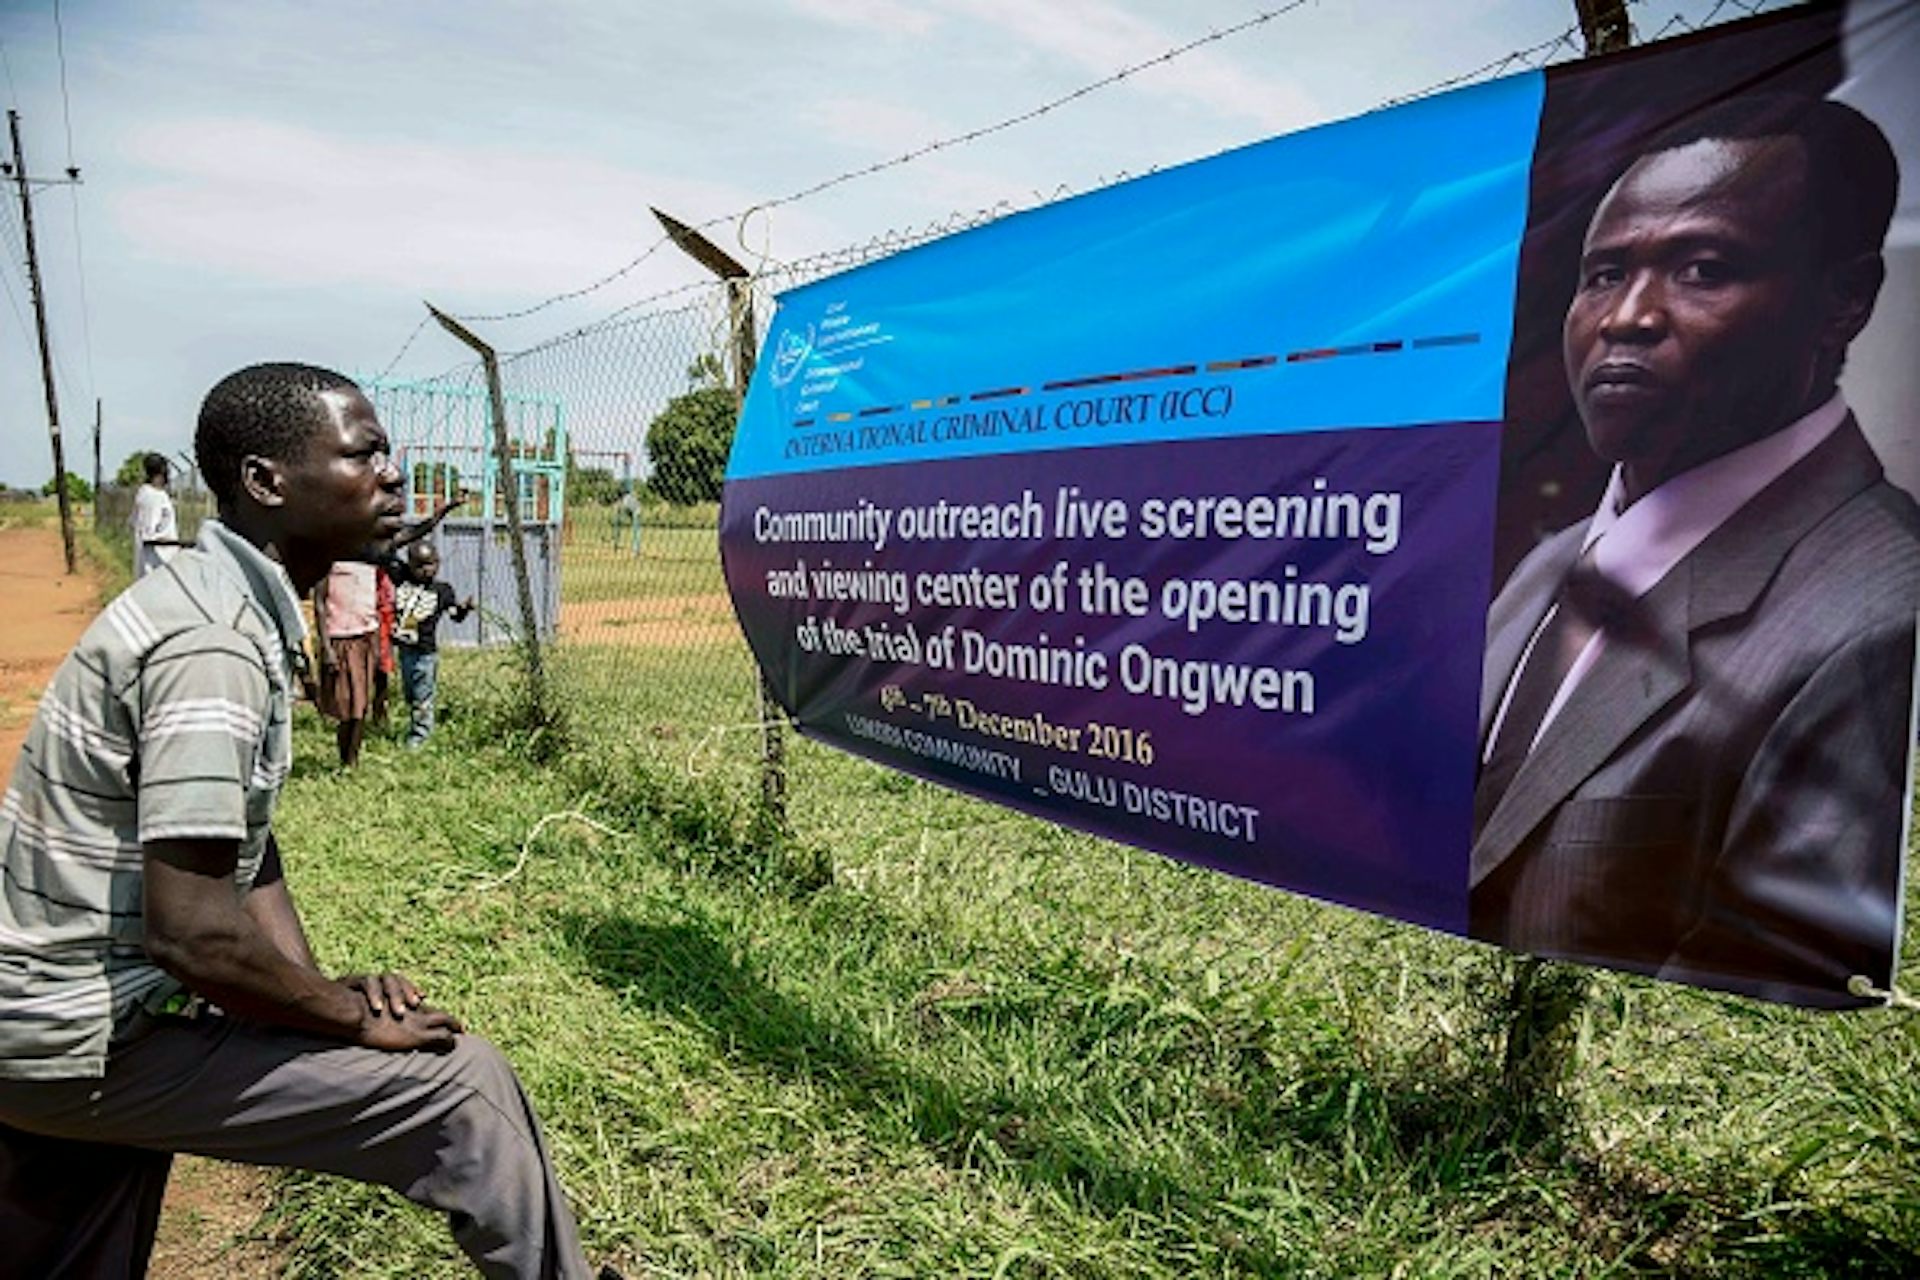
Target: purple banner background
1366,802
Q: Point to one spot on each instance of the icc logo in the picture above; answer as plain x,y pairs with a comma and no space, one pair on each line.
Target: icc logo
791,355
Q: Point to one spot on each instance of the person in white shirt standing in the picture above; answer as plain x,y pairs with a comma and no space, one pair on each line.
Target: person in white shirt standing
156,533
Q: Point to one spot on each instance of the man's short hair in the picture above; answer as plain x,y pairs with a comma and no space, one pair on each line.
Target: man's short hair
155,466
1853,179
268,410
420,550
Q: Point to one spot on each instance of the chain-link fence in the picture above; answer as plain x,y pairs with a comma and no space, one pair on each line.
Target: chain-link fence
622,482
113,514
618,436
113,509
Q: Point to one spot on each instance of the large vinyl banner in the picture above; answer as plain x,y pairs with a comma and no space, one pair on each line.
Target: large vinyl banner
1459,512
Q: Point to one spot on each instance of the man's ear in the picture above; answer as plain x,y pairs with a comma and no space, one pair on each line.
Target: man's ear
1849,290
262,480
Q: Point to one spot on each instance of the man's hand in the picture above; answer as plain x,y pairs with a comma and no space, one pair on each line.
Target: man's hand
391,994
423,1028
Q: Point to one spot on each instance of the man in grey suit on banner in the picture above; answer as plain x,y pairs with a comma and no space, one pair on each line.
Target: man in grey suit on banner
1696,711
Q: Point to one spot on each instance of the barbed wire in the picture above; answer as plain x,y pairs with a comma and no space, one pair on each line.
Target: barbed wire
907,157
1679,22
894,240
1566,43
614,320
1532,57
616,274
405,347
1031,114
799,270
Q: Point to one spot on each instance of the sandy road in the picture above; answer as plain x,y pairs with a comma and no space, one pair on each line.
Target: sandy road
42,612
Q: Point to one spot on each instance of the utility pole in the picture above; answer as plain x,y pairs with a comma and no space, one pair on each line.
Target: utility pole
40,324
96,462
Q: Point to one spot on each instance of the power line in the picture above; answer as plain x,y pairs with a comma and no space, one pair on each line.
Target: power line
13,90
13,240
60,50
73,197
80,270
6,283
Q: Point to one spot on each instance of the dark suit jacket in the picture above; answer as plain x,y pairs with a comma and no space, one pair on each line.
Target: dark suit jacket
1720,800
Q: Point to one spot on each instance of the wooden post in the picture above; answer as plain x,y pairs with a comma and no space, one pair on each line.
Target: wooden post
773,734
1545,998
97,486
745,341
503,452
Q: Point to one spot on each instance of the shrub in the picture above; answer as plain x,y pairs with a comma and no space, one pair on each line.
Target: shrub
689,443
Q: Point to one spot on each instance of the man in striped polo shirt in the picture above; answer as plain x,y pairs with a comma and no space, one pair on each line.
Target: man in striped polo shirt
138,872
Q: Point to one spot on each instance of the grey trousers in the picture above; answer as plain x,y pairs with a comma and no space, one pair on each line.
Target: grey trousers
453,1132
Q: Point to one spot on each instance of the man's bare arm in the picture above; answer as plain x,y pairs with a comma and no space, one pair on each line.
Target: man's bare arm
321,649
415,532
198,931
270,903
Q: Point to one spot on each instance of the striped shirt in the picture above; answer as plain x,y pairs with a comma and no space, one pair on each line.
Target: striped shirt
170,719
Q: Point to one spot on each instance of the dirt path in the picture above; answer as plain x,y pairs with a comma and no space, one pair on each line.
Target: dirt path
686,621
45,613
211,1209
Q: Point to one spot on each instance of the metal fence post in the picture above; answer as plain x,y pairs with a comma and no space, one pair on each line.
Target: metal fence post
745,341
1545,999
503,453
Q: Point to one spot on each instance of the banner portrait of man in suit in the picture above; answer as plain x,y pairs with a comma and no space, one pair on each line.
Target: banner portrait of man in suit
1697,704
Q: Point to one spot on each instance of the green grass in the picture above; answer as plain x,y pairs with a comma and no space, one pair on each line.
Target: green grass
930,1038
679,555
33,514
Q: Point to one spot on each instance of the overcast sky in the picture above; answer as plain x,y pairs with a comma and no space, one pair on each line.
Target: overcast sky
268,180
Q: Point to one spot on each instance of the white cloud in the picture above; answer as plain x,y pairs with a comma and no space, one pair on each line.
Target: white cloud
1094,38
893,17
872,123
298,206
1100,37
